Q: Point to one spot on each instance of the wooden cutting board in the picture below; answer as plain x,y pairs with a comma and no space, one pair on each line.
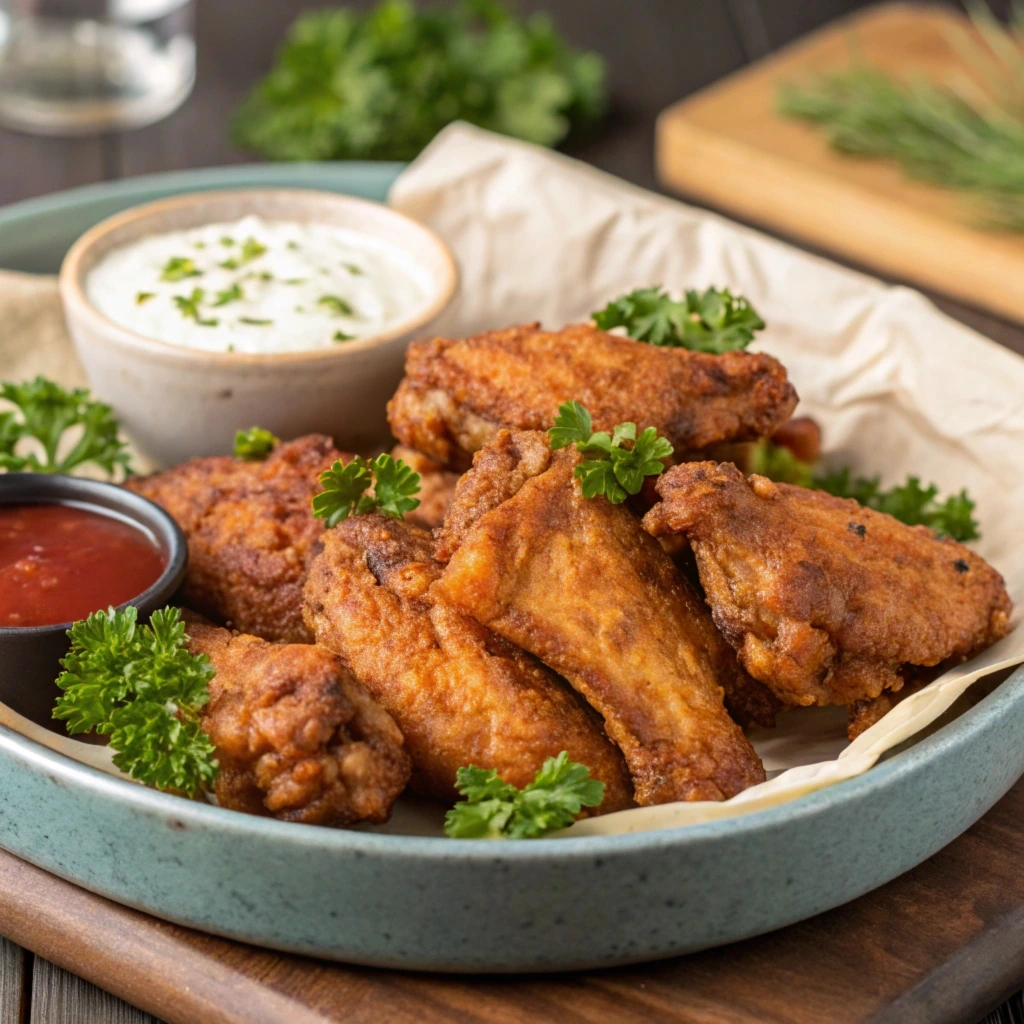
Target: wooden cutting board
727,146
942,944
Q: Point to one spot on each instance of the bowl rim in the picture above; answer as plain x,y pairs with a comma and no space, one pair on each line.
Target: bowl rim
77,305
128,504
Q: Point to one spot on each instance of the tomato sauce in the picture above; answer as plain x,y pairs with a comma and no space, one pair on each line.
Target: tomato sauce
59,562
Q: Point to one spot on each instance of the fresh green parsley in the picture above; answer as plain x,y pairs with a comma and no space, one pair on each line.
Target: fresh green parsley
45,413
227,241
255,443
141,298
177,268
713,320
615,470
335,305
342,336
189,306
141,686
778,463
354,270
494,809
344,493
254,321
232,294
251,250
380,84
295,280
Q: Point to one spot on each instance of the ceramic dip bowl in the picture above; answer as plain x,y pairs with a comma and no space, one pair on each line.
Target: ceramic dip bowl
177,401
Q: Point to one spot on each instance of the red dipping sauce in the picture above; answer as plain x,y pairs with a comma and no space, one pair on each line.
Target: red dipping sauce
60,562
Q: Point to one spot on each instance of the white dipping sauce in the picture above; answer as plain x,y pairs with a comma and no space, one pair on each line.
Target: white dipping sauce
258,286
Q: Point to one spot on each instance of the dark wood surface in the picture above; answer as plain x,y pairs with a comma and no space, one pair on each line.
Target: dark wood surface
946,942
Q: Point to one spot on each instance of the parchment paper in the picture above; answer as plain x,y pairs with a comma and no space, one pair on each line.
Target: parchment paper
897,386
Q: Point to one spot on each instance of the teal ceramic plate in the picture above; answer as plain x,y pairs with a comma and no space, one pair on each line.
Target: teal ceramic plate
475,906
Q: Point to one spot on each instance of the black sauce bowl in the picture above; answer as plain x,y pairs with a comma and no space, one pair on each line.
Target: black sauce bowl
30,655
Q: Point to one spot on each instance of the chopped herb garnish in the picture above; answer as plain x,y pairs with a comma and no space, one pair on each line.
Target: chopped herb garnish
710,321
251,250
293,245
199,245
189,306
142,687
342,336
266,275
253,321
494,809
295,280
344,493
614,470
335,305
45,411
227,241
255,443
353,269
232,294
143,297
177,268
231,347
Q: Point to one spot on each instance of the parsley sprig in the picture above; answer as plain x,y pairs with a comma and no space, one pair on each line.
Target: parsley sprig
345,486
142,687
256,443
45,412
615,470
713,320
494,809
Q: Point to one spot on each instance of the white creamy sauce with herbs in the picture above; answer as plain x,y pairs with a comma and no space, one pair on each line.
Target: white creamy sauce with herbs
258,286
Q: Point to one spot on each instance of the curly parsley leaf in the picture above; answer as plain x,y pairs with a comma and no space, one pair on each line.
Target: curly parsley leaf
615,471
381,84
45,413
344,493
256,443
142,687
494,809
714,320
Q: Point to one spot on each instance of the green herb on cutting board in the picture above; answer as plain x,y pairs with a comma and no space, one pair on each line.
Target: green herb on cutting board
381,84
965,132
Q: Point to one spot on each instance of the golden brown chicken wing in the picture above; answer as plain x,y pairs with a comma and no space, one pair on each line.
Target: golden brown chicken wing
251,533
461,694
297,737
826,601
578,583
457,394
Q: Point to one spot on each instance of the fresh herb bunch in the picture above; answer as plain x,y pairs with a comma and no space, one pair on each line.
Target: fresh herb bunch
256,443
964,133
45,412
615,470
713,320
142,687
908,502
344,493
493,809
380,85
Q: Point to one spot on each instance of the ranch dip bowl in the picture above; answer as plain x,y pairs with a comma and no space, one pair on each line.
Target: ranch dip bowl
203,314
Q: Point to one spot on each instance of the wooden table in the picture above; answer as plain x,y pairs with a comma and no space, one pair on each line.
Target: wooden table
652,63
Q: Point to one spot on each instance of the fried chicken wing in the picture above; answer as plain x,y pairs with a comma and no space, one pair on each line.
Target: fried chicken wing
826,601
251,533
437,487
296,736
579,584
456,395
461,694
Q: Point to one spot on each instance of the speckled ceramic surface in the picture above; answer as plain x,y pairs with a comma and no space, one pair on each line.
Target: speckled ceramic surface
437,904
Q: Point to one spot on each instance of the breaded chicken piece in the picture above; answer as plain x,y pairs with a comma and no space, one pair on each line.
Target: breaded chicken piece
251,533
579,584
437,487
457,394
826,601
461,694
296,736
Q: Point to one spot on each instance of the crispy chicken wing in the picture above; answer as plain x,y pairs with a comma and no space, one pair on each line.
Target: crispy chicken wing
461,694
251,533
297,737
579,584
825,600
457,394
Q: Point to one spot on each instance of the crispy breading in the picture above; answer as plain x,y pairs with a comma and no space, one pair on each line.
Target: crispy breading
296,736
461,694
457,394
251,533
437,487
826,601
578,583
